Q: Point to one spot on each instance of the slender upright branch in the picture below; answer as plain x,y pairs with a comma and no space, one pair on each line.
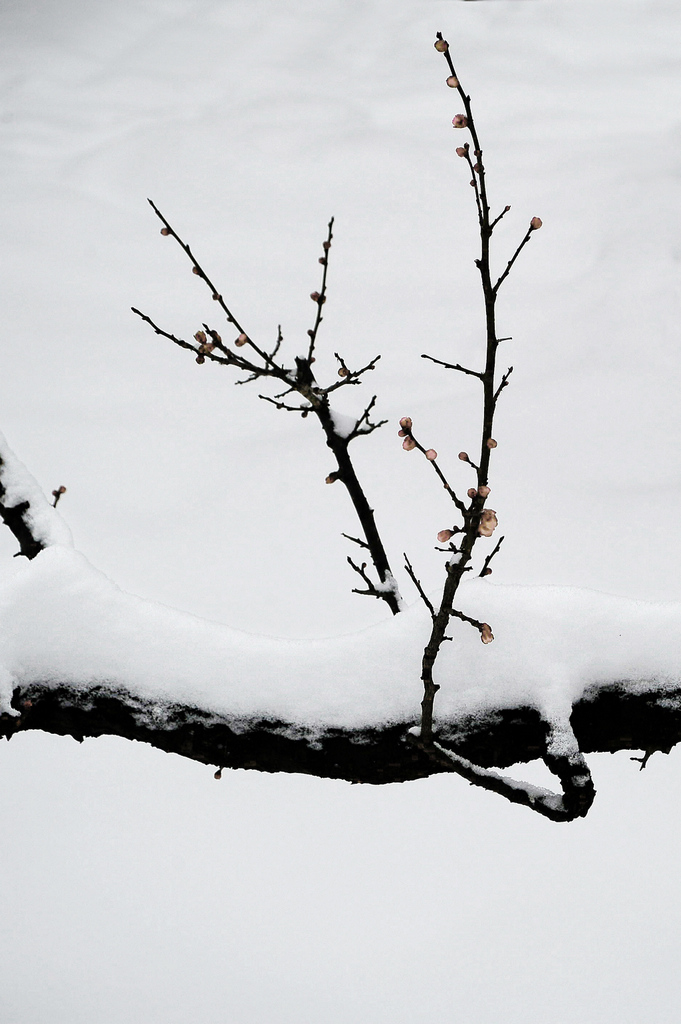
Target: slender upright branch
477,520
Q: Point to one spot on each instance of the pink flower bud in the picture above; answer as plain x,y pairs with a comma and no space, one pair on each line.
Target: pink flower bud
444,535
326,246
490,442
488,523
464,456
315,296
195,270
343,371
460,121
461,151
200,359
471,492
409,444
486,572
165,231
216,297
322,260
452,81
331,478
441,45
406,423
431,455
486,634
535,224
483,491
241,340
218,774
200,337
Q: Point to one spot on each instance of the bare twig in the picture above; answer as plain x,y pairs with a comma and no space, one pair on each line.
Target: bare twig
485,571
417,583
454,366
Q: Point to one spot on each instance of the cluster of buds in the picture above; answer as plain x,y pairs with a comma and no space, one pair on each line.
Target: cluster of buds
488,522
206,346
409,443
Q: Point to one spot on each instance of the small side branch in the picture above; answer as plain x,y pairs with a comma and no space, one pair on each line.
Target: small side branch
486,571
454,366
320,296
515,256
417,583
502,385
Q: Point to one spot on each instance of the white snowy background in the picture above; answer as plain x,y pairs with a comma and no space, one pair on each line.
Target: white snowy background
135,888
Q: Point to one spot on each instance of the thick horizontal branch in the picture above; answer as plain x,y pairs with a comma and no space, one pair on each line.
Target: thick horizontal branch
609,720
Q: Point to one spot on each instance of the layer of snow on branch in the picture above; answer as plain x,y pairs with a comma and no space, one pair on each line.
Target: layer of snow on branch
344,425
62,621
46,525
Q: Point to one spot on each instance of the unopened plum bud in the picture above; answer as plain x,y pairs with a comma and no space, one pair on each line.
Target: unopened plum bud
322,260
315,296
441,45
343,371
476,168
506,209
461,151
326,246
241,340
472,182
218,774
200,337
200,359
165,231
483,491
464,456
486,634
471,492
488,523
331,478
445,535
490,442
409,444
486,572
460,121
431,455
452,81
406,423
535,224
216,297
195,270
